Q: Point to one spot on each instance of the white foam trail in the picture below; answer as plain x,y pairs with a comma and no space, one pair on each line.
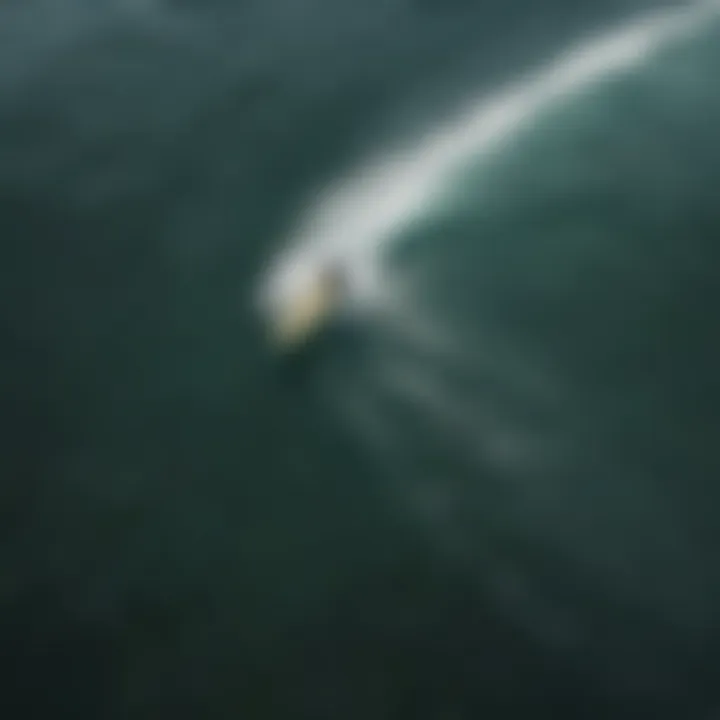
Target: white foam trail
356,217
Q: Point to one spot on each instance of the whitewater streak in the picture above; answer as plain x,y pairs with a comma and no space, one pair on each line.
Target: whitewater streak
481,443
363,213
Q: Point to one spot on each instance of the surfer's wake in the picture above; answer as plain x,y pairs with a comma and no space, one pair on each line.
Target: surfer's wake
466,415
358,219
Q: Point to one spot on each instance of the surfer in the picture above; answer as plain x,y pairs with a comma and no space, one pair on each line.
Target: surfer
310,311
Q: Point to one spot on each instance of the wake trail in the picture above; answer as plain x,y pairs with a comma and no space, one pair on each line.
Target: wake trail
358,216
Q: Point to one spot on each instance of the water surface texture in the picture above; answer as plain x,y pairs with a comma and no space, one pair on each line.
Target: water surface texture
496,496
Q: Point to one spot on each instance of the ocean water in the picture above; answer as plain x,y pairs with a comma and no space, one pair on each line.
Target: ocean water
497,497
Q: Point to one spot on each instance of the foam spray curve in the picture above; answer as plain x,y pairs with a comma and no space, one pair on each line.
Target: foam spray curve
361,214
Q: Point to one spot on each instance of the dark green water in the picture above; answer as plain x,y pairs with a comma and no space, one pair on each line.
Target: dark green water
189,529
